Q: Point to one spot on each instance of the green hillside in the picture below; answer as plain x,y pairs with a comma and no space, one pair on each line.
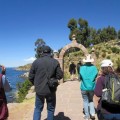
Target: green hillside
105,50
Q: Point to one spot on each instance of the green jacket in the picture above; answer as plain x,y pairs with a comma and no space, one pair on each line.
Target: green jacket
88,74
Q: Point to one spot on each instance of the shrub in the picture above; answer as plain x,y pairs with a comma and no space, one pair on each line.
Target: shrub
97,54
23,90
115,50
103,50
108,57
118,64
108,47
109,51
78,53
99,47
104,54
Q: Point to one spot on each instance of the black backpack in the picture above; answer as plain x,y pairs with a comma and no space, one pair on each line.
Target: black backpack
111,93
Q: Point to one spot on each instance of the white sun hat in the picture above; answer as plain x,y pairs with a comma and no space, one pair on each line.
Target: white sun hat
88,59
106,63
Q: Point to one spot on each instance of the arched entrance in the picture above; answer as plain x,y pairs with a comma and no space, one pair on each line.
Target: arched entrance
73,44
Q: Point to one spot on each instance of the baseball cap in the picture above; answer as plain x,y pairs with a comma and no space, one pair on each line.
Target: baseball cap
106,63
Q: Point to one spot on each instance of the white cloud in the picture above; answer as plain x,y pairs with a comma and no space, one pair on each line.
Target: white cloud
31,59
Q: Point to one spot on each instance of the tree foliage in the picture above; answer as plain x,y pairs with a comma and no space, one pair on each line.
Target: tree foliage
86,35
80,29
72,24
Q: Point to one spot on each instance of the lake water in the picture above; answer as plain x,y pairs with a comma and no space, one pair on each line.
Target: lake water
13,76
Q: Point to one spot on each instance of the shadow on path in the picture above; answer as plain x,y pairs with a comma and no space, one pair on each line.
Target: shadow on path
60,116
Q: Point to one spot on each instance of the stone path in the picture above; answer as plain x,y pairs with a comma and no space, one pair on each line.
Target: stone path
69,104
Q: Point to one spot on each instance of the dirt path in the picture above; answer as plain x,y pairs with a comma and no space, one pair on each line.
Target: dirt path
69,105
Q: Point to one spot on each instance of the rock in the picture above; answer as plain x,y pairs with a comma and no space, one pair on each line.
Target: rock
26,74
30,95
32,89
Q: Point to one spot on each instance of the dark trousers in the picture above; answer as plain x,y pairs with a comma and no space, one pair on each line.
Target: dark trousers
39,104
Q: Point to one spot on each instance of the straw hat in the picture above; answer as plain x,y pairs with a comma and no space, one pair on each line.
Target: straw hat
88,59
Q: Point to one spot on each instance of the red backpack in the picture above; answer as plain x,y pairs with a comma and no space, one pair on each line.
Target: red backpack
3,102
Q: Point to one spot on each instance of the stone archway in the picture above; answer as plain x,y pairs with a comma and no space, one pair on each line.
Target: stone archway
65,48
73,44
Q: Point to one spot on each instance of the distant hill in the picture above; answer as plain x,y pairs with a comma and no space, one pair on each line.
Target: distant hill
25,67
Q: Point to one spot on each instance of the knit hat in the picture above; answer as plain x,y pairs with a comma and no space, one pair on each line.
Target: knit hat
46,49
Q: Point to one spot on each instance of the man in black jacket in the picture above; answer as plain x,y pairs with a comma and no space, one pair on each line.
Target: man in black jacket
72,70
79,64
41,70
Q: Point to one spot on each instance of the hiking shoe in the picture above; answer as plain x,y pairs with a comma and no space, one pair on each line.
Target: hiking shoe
86,118
92,117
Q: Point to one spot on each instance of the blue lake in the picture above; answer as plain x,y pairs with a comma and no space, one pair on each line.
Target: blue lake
13,76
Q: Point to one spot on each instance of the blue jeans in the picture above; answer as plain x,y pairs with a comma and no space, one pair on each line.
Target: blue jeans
88,103
39,104
111,116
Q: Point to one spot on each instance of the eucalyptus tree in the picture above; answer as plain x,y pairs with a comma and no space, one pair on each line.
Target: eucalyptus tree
80,29
72,25
111,32
107,34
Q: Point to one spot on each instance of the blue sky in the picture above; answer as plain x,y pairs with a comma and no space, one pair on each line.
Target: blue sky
22,22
